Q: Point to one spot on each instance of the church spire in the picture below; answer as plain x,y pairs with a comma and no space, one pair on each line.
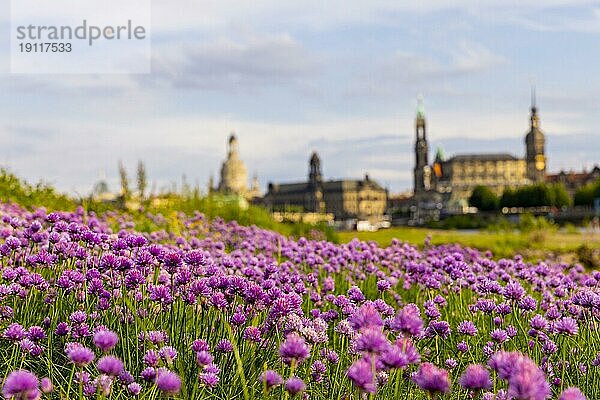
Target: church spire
535,143
420,107
421,149
535,119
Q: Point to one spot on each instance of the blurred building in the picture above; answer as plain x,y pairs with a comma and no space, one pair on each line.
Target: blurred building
234,175
574,180
448,183
346,199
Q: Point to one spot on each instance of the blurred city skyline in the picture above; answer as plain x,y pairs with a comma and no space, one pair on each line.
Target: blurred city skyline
340,79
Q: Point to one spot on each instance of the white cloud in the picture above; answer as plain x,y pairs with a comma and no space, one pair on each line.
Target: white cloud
406,70
254,61
473,57
589,22
321,15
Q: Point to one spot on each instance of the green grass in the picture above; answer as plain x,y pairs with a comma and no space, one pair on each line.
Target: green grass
532,245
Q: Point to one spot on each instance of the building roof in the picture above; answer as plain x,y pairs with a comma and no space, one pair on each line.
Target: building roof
350,184
572,177
299,187
483,157
338,185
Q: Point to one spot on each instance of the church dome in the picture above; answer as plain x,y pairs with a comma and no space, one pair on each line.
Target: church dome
234,175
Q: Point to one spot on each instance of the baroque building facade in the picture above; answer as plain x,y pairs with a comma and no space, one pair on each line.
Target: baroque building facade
346,199
449,182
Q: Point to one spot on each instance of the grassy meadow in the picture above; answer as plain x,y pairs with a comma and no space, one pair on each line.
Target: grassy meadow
532,245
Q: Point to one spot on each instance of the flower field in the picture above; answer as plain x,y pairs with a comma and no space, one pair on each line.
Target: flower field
199,309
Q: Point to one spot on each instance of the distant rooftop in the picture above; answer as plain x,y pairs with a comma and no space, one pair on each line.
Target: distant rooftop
331,185
483,157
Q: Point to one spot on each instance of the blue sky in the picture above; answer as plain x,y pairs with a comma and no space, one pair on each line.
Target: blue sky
338,77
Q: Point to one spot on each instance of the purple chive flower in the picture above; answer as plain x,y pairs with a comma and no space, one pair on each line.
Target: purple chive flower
62,329
78,317
203,358
513,291
167,353
294,385
503,362
208,379
528,303
572,393
438,328
81,377
366,316
168,382
157,337
224,346
105,340
252,334
408,321
401,354
451,363
148,374
528,382
270,378
212,369
525,380
126,378
361,375
432,379
317,370
238,318
200,345
14,332
110,365
383,285
499,335
79,354
46,385
294,348
151,358
21,384
567,326
36,333
476,377
463,347
467,328
332,357
372,340
134,388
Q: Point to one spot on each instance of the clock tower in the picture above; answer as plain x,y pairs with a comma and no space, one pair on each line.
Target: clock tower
535,143
422,173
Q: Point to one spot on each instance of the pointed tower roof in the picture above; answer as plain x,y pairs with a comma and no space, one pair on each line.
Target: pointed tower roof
420,107
439,155
534,118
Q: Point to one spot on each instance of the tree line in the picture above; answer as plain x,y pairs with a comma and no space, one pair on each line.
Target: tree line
537,195
586,194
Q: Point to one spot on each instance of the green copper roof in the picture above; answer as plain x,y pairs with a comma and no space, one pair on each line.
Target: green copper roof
439,154
420,107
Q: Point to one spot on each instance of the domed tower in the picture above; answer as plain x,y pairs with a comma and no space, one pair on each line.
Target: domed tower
234,175
535,143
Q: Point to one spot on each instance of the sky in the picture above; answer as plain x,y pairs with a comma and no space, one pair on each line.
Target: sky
296,76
